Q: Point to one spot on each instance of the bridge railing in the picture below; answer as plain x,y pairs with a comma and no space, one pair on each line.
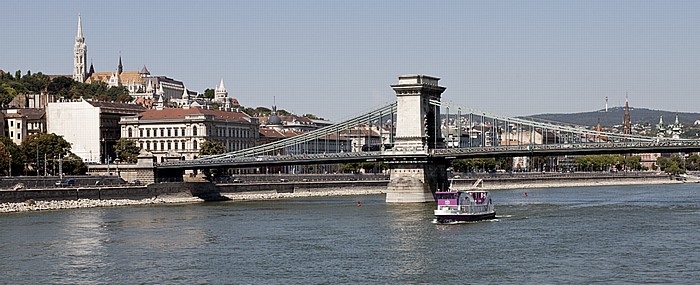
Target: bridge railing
561,128
276,158
336,129
539,147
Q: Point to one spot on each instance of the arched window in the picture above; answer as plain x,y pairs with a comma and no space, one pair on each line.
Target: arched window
194,145
140,132
128,130
194,131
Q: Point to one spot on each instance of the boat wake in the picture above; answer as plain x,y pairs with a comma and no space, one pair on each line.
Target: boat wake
435,221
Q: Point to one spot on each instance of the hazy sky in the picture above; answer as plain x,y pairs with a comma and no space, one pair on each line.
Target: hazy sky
338,58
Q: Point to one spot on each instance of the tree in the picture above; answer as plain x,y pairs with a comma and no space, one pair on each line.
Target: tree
211,148
127,150
73,165
16,153
7,94
312,117
693,162
209,93
36,147
5,158
474,164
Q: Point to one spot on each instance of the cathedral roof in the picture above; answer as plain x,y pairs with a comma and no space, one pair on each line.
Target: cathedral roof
145,71
126,76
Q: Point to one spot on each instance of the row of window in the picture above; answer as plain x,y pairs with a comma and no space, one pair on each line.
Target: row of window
164,132
169,145
234,132
180,132
177,145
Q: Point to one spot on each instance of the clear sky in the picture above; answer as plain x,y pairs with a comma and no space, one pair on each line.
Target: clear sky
338,58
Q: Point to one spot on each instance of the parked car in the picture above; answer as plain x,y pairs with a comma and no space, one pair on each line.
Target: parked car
284,180
64,183
237,180
136,182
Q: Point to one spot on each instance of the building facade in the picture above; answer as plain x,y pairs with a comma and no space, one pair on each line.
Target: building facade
91,127
177,133
21,123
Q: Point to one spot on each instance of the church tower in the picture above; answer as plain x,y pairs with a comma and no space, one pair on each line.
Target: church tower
79,55
120,67
220,93
627,121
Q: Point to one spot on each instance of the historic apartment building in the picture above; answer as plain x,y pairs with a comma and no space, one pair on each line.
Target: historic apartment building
21,123
177,133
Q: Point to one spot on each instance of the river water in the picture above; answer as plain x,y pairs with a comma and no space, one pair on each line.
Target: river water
617,234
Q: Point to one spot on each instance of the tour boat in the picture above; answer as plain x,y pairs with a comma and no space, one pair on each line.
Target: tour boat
464,206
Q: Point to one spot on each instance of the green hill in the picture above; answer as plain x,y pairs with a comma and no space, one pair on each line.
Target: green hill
614,117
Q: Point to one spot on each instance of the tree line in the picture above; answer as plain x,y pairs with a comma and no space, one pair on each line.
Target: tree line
60,86
675,164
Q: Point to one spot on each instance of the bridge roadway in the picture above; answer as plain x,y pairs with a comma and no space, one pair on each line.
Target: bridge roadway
438,154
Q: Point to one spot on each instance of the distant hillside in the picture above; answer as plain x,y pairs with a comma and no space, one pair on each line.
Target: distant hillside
614,117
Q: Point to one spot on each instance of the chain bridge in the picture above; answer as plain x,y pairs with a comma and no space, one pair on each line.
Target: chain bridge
417,135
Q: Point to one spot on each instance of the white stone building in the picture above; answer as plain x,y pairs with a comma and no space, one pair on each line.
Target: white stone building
91,127
177,133
21,123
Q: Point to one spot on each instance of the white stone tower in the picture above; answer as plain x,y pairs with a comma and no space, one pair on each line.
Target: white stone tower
80,55
417,131
417,123
220,93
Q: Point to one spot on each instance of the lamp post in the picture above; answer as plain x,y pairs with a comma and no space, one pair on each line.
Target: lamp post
116,162
9,170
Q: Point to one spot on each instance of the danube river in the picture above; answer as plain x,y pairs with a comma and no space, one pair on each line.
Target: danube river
615,234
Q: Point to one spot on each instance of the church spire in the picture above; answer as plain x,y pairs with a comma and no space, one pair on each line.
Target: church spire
80,71
627,121
79,36
120,67
221,86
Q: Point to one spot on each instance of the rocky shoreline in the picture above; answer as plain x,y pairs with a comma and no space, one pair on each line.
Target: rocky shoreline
32,205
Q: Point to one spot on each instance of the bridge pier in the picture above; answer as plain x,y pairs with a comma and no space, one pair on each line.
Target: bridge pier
417,131
416,182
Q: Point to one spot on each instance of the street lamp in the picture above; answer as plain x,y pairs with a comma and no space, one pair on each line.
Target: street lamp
116,162
9,170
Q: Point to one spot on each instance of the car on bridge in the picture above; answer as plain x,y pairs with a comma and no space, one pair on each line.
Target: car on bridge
65,183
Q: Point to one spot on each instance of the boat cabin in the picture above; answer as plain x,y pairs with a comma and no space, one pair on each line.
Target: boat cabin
467,201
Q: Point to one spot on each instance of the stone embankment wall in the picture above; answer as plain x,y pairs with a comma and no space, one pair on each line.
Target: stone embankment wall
210,191
204,190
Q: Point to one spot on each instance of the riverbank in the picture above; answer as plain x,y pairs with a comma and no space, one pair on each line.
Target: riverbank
593,183
32,205
234,194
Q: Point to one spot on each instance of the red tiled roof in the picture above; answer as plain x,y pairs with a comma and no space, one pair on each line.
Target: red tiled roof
271,133
29,113
179,113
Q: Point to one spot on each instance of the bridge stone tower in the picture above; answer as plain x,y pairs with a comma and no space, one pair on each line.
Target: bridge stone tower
414,175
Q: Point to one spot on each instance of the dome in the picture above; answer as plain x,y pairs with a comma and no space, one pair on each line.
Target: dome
274,120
